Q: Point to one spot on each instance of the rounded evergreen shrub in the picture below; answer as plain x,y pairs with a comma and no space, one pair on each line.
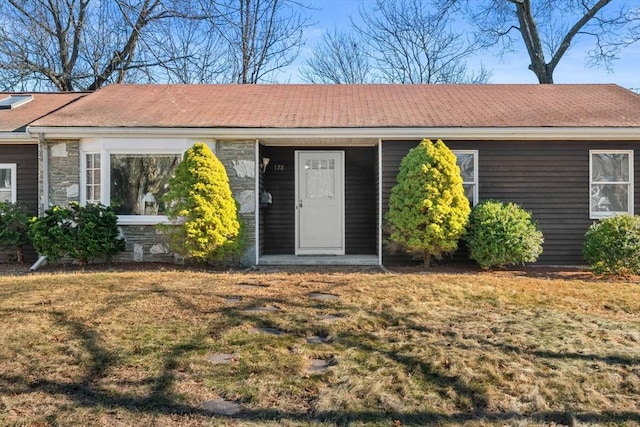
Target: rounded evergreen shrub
428,210
203,213
612,245
501,234
79,232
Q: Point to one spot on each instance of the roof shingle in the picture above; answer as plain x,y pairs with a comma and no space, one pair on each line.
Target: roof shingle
351,106
16,120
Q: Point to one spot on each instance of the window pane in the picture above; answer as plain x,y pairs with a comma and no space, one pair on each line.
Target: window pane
139,182
466,165
610,167
5,180
5,196
468,191
609,198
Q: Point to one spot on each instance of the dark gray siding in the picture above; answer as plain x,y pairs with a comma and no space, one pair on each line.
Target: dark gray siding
278,224
550,179
26,158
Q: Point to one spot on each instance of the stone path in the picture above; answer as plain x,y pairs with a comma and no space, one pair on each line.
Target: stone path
221,407
229,408
220,358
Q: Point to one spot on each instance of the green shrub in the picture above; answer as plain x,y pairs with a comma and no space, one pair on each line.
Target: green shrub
502,234
428,210
204,215
14,224
79,232
612,245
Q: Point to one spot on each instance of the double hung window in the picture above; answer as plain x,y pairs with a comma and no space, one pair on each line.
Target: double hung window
467,161
611,182
8,177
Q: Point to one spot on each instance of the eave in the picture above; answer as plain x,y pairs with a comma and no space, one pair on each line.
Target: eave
281,134
8,138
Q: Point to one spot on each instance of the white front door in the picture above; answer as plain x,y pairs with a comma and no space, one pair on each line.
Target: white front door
319,202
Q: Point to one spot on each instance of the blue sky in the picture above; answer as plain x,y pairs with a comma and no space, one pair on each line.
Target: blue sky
512,68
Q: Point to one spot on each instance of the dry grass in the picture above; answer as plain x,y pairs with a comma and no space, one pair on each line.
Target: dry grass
406,349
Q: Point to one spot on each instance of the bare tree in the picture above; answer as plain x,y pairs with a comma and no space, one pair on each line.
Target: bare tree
411,42
339,58
262,36
184,51
73,44
549,28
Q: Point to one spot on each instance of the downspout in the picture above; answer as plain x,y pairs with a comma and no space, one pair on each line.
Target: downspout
44,152
380,201
256,230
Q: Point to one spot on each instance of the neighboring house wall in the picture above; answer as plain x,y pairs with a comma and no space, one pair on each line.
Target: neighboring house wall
25,159
361,191
548,178
145,242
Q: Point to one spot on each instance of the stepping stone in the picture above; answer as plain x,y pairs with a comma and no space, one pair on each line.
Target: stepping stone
319,296
232,300
251,286
317,367
264,309
221,407
316,340
220,358
268,331
330,318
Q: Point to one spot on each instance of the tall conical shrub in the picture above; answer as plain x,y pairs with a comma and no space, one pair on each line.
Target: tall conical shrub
428,211
204,215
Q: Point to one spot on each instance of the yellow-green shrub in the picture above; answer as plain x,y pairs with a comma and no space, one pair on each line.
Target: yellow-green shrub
428,211
204,215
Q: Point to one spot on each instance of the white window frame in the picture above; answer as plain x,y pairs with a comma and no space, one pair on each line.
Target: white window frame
475,172
14,179
599,215
108,146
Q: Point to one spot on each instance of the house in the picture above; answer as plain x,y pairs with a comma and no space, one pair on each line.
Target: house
312,166
19,150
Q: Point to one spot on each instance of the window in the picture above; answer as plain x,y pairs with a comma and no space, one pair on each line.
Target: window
611,183
93,178
8,177
139,182
14,101
130,175
467,161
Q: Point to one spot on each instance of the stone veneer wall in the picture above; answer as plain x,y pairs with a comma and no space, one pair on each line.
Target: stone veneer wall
145,242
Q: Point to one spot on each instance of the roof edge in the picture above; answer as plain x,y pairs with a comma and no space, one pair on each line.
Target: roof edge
483,133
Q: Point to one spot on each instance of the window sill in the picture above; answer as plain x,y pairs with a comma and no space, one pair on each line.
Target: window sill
142,219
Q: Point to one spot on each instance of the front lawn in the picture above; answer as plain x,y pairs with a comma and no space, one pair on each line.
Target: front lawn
142,348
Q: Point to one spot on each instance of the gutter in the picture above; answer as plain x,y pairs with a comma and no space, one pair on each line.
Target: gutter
388,133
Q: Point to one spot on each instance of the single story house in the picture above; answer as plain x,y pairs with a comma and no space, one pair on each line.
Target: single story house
312,166
19,149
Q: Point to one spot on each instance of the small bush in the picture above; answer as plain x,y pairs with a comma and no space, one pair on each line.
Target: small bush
14,225
502,234
79,232
612,245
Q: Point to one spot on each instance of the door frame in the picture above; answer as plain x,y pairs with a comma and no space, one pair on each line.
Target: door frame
341,162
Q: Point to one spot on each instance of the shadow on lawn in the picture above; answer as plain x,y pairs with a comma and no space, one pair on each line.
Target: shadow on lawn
87,392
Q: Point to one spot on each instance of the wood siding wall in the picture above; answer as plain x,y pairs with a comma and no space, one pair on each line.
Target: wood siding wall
550,179
26,158
361,189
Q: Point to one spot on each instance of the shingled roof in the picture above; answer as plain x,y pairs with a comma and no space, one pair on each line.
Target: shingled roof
17,119
351,106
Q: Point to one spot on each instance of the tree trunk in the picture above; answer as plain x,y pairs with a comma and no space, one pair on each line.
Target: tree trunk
426,259
20,254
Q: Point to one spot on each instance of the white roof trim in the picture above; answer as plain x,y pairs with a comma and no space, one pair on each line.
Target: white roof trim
482,133
17,138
